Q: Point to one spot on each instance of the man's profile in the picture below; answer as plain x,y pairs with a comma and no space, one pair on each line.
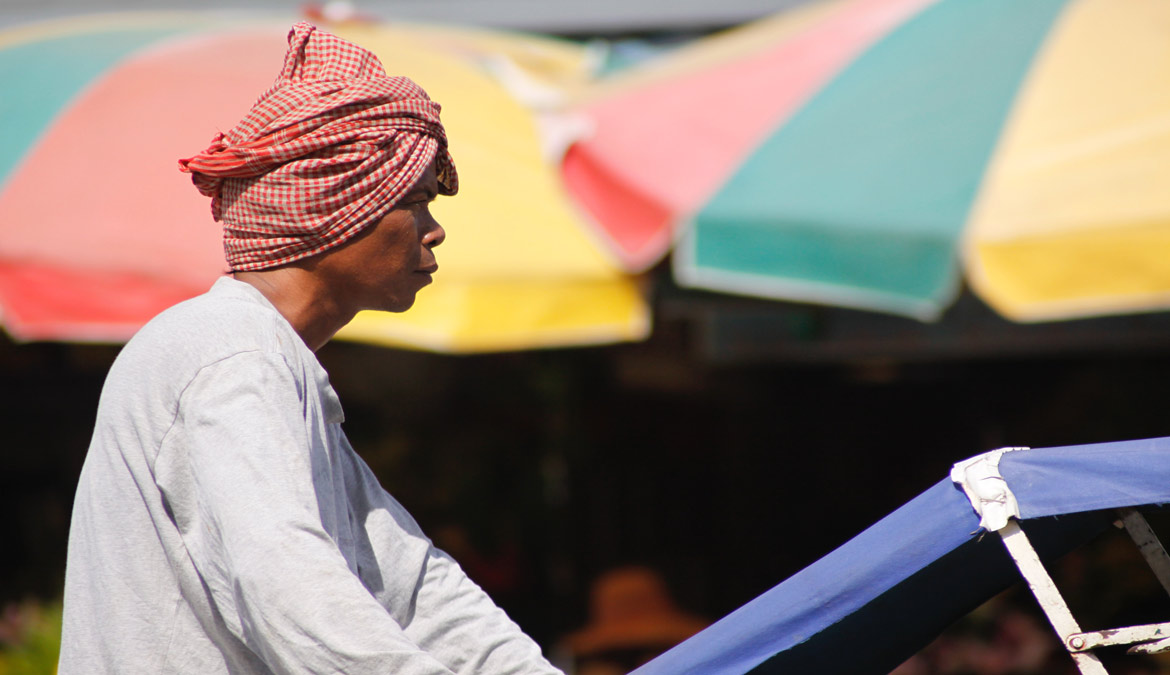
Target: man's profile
223,523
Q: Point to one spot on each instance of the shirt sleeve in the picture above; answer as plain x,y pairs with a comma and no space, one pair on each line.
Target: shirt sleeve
454,619
240,486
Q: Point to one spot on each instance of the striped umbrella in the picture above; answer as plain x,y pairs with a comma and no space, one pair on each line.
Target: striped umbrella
100,230
875,153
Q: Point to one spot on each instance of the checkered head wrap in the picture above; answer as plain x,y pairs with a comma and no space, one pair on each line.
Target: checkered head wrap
327,151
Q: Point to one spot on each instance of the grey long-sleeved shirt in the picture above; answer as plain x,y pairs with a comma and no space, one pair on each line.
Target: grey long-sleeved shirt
223,523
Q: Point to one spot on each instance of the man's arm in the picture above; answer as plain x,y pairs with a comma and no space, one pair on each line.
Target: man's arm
453,618
239,478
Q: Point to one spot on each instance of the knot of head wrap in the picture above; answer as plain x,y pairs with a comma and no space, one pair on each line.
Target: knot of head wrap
329,149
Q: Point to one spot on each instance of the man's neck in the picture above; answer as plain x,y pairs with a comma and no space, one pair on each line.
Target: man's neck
301,300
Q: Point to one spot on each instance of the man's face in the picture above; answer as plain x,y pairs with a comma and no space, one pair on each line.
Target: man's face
384,266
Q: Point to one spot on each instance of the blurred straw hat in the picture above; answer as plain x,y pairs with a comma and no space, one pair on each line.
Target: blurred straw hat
630,608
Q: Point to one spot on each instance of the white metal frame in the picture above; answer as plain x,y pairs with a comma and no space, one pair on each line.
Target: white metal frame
1146,639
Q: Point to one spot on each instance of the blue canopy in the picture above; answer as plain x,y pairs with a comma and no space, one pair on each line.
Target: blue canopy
885,594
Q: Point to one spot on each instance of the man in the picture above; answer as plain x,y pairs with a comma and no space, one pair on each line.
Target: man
223,523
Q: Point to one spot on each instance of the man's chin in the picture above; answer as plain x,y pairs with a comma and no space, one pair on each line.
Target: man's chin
396,303
400,305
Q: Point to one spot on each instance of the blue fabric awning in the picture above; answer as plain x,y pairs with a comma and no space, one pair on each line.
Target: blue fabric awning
882,596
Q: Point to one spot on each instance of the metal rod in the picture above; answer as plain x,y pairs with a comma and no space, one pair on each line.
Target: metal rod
1049,597
1147,542
1150,647
1118,636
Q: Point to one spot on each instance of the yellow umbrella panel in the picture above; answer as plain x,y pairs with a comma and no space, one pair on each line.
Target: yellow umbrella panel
518,269
1074,216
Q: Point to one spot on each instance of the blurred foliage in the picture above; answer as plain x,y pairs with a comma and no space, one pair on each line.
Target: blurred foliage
30,638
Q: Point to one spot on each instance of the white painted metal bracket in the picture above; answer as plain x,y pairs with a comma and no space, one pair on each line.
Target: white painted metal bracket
1147,542
992,499
1148,635
1049,597
1145,639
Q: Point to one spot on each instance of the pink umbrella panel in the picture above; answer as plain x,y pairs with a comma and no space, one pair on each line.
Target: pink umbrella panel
878,154
102,231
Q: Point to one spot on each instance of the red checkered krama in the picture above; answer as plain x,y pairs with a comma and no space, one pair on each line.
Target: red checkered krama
328,150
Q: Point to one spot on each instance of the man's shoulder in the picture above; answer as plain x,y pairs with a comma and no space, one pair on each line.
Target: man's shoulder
226,309
225,321
223,334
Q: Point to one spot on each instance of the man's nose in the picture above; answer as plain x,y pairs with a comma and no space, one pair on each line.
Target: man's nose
434,235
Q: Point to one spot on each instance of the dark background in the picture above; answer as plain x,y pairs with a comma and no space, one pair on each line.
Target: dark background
740,443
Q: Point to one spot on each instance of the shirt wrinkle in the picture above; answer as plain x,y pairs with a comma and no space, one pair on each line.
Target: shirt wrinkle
223,524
